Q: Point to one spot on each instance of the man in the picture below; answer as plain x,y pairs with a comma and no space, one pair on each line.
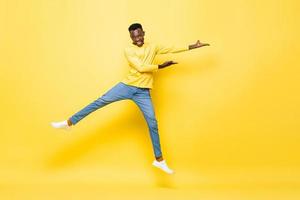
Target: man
136,86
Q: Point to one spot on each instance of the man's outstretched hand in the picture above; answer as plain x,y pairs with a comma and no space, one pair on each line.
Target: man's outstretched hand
198,44
166,64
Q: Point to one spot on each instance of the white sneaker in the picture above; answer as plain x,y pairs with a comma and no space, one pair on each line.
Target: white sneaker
61,125
163,166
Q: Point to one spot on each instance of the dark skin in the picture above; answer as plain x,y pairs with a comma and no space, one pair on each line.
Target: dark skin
137,37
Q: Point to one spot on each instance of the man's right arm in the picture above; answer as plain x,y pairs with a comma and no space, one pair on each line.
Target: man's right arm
136,63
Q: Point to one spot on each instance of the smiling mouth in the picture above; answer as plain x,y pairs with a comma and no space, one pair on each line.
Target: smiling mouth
140,43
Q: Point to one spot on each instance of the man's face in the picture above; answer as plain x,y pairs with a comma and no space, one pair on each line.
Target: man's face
137,37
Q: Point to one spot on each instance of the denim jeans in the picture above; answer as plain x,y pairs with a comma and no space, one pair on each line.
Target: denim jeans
121,91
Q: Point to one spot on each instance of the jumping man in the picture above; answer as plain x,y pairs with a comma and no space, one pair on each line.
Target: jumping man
136,86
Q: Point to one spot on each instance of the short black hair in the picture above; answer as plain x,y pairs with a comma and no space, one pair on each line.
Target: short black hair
135,26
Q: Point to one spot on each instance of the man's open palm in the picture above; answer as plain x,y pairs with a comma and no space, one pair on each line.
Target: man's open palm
167,63
198,44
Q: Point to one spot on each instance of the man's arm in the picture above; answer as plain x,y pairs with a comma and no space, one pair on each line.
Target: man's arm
164,50
136,63
171,49
198,44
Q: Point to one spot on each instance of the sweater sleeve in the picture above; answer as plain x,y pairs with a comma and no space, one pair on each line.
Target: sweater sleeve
169,49
136,63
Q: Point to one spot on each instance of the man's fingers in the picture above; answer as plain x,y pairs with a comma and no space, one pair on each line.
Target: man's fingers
204,44
171,62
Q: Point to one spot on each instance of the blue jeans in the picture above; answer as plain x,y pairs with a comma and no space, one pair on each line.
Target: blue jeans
121,91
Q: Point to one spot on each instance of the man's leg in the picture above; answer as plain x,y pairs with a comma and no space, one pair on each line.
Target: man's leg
143,99
119,92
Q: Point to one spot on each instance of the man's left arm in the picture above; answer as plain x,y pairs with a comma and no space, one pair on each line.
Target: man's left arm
171,49
198,44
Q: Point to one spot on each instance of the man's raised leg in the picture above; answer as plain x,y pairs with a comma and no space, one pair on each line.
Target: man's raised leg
119,92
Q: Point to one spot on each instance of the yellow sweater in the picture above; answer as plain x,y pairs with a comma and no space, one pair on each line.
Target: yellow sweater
140,60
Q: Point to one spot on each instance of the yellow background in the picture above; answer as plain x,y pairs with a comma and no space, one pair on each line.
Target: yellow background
228,114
